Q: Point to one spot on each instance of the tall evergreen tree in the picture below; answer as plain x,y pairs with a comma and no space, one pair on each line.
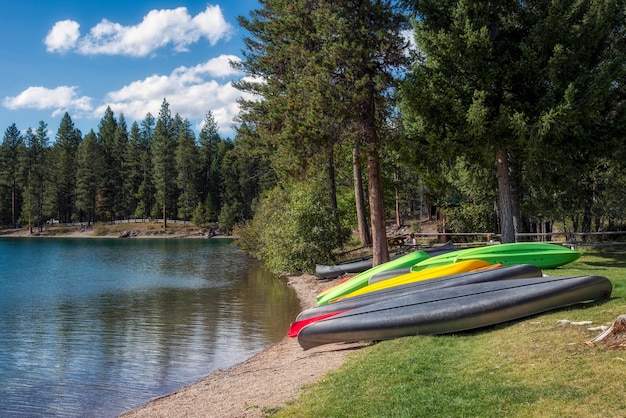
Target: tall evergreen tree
11,152
370,51
63,184
232,208
38,153
325,65
121,206
145,193
164,162
132,167
187,164
89,163
111,177
209,173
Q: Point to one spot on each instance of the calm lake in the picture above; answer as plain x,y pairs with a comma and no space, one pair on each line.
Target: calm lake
97,327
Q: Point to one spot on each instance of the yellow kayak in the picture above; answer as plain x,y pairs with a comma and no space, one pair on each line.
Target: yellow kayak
429,273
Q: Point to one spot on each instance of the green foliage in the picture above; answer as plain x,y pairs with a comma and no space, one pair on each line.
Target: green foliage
62,192
540,84
89,163
293,228
164,162
470,199
187,168
229,216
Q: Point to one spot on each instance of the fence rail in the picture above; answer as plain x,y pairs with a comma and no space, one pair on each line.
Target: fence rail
571,239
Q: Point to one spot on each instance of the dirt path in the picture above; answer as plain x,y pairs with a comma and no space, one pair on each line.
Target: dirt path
260,384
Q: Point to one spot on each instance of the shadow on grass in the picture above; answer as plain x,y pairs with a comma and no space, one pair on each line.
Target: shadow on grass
605,259
503,325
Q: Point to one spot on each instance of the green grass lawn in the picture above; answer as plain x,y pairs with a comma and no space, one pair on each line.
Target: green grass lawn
533,367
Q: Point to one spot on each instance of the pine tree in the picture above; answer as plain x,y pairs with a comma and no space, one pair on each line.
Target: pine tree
164,162
145,193
187,164
38,152
209,173
327,67
89,163
63,185
11,152
113,139
33,175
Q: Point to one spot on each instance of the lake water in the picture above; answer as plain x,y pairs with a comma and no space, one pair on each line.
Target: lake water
96,327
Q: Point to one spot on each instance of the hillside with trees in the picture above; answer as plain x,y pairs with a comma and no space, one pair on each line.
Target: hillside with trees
502,117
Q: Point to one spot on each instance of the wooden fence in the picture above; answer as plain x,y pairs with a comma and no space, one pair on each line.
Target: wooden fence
468,239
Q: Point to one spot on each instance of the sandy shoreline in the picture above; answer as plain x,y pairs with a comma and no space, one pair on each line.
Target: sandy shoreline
262,383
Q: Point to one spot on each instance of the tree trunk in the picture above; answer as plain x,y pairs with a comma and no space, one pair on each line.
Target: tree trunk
507,229
380,249
515,180
332,189
164,216
364,230
13,212
398,217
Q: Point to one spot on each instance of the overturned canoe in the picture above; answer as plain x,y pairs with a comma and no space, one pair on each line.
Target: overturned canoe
464,266
361,279
332,271
454,309
318,313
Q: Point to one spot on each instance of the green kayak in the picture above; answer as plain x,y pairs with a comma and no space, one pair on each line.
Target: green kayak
541,255
361,279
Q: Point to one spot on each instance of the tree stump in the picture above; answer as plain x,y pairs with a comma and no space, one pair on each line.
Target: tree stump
614,336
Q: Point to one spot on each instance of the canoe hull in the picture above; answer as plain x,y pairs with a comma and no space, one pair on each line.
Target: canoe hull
522,271
454,309
330,272
362,279
464,266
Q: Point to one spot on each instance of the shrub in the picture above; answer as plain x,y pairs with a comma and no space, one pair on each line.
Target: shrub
294,228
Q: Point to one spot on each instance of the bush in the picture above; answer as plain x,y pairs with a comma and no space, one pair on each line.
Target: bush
294,229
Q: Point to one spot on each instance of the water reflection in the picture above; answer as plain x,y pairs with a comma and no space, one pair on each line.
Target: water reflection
126,322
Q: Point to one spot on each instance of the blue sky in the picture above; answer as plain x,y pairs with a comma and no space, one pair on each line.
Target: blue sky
80,56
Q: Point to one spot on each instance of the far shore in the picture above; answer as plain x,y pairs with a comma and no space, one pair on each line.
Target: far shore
126,230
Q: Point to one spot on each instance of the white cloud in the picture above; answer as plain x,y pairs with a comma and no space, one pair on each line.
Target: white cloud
190,91
63,36
158,28
60,99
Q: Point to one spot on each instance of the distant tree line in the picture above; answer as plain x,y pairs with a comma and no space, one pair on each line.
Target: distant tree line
157,168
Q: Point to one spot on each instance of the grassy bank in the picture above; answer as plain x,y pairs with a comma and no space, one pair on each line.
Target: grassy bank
528,368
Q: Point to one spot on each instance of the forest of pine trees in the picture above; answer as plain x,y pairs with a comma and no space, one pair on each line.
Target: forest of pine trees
157,169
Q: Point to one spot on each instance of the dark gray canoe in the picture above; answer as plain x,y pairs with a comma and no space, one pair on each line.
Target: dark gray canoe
454,309
520,271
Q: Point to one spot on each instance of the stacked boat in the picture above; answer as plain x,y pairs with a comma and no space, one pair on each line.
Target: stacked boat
450,292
